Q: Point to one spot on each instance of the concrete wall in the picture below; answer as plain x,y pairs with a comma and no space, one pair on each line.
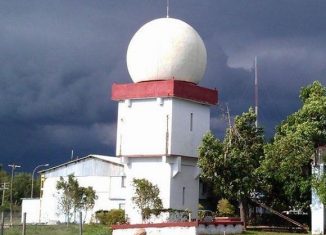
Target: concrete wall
185,188
108,197
106,178
156,171
159,231
149,130
317,207
32,209
176,178
186,134
183,228
143,125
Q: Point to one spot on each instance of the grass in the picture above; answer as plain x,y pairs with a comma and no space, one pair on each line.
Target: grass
93,229
267,233
59,230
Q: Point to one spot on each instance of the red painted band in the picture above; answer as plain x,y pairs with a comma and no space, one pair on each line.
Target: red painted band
158,225
165,88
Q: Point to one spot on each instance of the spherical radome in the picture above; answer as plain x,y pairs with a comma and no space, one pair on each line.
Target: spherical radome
166,48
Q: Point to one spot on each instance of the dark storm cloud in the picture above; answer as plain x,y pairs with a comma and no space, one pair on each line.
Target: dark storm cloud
58,60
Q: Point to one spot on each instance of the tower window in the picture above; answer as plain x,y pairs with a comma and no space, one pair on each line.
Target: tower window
183,195
123,181
191,121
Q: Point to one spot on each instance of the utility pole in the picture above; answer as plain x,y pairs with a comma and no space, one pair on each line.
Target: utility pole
13,167
4,187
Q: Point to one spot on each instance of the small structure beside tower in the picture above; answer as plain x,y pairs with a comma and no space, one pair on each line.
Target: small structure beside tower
164,114
318,219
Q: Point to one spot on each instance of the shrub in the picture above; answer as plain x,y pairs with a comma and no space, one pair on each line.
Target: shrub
225,208
114,216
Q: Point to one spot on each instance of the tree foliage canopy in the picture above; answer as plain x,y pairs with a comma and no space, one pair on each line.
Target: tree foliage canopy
146,197
287,158
230,165
74,197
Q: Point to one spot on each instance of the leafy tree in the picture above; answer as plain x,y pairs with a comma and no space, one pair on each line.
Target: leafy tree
88,197
286,167
230,166
146,197
73,197
21,187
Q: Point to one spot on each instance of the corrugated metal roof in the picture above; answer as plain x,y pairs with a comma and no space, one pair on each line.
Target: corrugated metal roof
111,159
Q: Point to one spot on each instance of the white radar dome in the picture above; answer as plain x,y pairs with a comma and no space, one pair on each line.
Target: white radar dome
164,49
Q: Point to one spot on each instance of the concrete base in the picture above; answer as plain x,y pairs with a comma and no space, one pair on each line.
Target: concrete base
177,228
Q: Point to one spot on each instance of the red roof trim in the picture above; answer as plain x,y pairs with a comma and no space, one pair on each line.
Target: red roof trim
165,88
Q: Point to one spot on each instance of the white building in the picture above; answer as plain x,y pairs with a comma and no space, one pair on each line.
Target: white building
318,218
164,114
105,174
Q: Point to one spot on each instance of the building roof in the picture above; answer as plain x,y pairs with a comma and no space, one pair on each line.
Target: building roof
109,159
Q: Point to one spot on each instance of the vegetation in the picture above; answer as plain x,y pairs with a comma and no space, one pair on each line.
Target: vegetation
225,208
286,169
88,229
73,198
114,216
91,230
146,198
21,187
278,172
230,165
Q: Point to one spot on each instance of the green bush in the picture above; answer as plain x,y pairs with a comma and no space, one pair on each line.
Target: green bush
114,216
225,208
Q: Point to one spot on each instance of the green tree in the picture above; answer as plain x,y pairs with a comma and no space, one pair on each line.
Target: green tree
88,197
286,167
73,197
21,187
230,166
146,197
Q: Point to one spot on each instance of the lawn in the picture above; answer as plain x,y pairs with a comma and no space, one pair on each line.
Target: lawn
268,233
90,230
59,230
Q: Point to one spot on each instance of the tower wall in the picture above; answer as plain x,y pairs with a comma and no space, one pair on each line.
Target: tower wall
190,121
142,126
161,126
154,170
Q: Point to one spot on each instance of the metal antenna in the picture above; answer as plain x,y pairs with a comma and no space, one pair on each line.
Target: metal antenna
256,92
167,8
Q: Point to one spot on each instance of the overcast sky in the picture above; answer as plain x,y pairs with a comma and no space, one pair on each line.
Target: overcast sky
58,60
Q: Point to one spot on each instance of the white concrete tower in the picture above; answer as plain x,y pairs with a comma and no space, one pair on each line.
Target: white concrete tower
164,114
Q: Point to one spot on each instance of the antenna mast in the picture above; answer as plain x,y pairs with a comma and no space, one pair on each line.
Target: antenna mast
167,8
256,92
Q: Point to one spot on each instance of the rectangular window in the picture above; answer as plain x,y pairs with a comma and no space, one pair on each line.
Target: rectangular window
191,121
183,195
123,181
121,206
